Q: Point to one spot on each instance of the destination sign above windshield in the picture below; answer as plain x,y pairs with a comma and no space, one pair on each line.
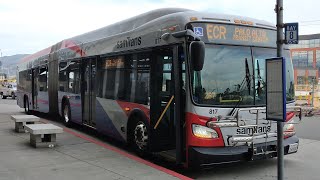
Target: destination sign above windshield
235,34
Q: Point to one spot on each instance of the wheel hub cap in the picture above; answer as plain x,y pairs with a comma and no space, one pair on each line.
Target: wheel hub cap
141,135
66,113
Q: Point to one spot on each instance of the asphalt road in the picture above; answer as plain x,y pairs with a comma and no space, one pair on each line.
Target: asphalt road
309,128
299,166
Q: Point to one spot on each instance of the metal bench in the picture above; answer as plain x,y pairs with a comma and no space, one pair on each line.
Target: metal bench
22,120
43,135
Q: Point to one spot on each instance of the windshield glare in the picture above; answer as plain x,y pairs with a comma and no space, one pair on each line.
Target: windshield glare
235,75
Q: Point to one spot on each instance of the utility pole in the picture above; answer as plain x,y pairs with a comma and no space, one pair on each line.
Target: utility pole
312,93
280,41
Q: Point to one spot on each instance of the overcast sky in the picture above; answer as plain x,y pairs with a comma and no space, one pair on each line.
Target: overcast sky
27,26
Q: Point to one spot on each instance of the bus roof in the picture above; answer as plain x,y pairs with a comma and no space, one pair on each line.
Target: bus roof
149,20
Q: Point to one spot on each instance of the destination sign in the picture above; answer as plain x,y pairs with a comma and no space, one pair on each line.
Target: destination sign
117,62
235,34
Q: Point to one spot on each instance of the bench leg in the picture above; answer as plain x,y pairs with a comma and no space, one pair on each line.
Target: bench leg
19,127
48,140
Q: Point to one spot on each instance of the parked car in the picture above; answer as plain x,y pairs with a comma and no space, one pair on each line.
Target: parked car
8,90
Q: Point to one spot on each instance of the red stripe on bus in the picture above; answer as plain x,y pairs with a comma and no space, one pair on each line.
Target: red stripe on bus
65,44
36,55
290,115
192,140
43,101
73,46
160,168
75,104
127,107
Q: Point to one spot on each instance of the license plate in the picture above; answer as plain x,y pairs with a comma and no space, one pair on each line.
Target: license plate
293,148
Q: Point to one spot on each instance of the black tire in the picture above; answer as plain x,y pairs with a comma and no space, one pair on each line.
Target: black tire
66,114
13,96
139,136
4,97
26,106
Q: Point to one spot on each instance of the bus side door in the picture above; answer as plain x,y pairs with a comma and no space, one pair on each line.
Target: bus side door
35,76
88,91
162,134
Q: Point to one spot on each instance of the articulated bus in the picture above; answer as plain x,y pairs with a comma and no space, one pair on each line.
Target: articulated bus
174,81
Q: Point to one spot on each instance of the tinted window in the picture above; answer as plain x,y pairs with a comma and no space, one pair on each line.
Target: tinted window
124,78
42,81
69,77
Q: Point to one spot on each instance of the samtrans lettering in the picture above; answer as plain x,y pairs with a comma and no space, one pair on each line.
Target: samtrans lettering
261,129
129,42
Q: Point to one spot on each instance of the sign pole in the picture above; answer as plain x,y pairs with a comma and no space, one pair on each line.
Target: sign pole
280,150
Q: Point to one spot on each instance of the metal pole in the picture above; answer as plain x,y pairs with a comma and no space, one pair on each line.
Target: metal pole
279,11
312,92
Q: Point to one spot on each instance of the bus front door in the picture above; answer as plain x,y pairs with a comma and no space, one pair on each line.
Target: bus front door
162,134
88,82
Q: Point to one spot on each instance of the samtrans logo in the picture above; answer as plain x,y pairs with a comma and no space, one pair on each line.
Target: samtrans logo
129,42
251,130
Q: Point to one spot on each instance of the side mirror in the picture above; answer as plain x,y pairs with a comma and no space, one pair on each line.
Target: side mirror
197,53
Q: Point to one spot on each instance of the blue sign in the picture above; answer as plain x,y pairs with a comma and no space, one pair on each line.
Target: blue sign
291,33
198,31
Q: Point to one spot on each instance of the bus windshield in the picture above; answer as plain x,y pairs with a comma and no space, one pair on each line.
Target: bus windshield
235,75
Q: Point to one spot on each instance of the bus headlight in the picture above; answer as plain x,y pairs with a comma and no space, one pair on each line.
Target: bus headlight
204,132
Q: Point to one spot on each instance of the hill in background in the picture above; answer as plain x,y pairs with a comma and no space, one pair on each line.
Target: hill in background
9,63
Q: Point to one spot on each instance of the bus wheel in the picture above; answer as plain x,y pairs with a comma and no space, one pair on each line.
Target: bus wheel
26,106
66,114
140,137
13,96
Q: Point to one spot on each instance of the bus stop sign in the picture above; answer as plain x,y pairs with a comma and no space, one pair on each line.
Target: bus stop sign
291,33
276,89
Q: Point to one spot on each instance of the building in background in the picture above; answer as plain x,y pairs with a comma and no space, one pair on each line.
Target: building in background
306,63
3,76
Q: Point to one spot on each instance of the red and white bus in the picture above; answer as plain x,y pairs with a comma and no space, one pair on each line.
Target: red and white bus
170,80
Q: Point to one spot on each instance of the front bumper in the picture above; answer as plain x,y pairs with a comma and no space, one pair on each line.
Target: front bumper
204,156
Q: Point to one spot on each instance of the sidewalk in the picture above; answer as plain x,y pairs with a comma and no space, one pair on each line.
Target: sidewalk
73,158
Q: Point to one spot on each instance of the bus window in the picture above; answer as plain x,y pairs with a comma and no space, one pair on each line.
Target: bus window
73,78
142,78
114,75
63,76
69,77
42,82
125,78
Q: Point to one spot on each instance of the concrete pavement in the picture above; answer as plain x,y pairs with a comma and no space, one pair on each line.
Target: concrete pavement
73,158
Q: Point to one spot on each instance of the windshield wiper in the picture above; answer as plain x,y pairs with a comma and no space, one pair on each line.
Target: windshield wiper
260,80
247,78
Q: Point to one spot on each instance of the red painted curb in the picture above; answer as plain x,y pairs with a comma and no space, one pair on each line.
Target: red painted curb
160,168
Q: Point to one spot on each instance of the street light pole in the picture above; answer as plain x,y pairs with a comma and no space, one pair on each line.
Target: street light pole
280,41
